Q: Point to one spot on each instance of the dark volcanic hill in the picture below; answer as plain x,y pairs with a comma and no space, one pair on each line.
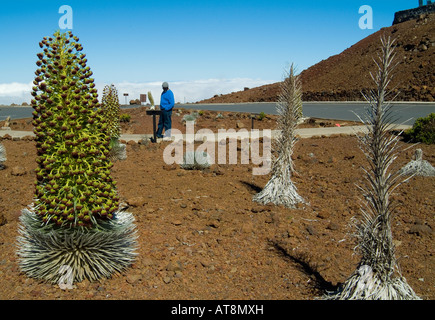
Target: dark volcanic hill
343,76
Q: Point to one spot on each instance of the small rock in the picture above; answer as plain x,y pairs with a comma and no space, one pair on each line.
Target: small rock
397,243
36,293
240,125
332,160
268,220
247,227
177,222
136,201
311,230
323,214
213,224
174,266
18,171
147,262
7,137
420,230
167,280
423,47
144,142
333,226
28,138
205,263
217,171
134,278
3,220
168,167
183,205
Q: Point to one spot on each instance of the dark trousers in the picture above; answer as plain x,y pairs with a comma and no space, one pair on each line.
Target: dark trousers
165,122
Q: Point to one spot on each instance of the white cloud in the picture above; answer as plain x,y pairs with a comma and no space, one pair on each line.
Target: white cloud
184,91
15,92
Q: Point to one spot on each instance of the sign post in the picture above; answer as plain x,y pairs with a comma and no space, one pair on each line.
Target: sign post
143,99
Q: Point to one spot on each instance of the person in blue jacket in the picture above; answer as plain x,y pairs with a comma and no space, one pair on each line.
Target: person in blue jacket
167,103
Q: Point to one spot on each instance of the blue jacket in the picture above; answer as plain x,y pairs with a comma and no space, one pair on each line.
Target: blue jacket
167,100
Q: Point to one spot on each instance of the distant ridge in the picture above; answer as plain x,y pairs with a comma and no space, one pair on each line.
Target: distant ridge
343,76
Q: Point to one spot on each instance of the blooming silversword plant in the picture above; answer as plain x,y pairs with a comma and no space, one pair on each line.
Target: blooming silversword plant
112,111
74,186
75,223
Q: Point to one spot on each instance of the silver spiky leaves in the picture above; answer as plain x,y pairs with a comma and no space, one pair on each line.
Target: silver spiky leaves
365,284
195,160
2,156
118,151
280,189
418,166
45,252
378,275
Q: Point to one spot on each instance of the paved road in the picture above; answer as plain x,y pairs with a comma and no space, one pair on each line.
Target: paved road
327,110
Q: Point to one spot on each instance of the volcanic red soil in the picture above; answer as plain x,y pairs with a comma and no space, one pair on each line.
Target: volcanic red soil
202,237
342,77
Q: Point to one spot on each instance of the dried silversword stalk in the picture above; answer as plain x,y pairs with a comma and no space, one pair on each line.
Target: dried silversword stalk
378,276
280,189
2,156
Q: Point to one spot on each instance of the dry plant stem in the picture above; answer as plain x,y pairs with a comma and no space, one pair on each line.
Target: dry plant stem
280,190
3,157
375,277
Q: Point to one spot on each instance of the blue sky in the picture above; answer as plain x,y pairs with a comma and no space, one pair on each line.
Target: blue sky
201,48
